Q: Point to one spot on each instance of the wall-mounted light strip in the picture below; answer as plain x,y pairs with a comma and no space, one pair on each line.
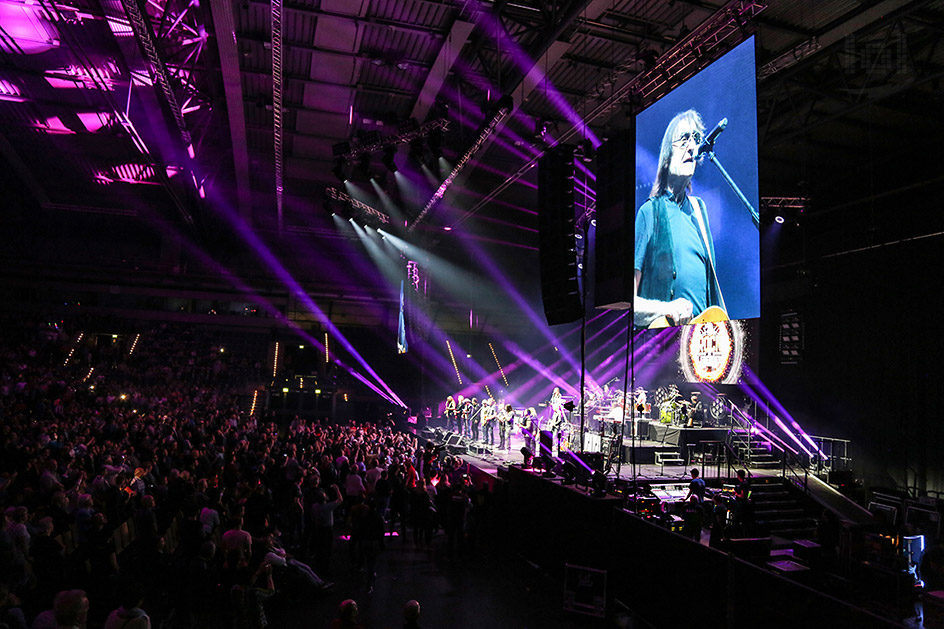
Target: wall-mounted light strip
255,398
89,374
327,352
134,344
275,360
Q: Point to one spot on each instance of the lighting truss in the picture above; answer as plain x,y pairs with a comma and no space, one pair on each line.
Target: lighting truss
277,102
681,61
789,58
378,142
173,37
365,210
785,203
504,108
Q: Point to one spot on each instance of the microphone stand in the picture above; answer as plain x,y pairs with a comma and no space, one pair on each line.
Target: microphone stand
710,152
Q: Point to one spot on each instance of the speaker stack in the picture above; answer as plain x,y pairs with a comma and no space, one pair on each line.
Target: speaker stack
558,243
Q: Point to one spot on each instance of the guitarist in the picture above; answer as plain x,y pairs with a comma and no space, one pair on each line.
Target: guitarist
465,414
529,427
556,422
450,412
474,420
506,417
488,421
674,262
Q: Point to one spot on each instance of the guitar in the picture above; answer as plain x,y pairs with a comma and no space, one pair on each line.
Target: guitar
711,314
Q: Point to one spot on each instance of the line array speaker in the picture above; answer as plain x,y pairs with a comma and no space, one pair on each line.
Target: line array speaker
615,199
558,245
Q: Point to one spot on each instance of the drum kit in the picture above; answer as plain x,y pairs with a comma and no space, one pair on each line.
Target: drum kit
673,409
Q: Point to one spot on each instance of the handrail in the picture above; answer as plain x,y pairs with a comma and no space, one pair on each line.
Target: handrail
838,454
790,458
805,486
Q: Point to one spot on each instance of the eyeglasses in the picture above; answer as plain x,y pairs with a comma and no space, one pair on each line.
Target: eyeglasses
683,139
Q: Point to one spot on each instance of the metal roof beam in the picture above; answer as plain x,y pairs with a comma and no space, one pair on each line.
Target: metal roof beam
221,12
448,53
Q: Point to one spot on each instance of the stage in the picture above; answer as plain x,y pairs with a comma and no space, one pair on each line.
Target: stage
698,447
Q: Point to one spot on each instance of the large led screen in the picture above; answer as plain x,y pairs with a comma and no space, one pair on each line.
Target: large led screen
697,246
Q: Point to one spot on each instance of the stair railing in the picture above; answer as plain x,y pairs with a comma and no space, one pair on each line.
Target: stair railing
793,466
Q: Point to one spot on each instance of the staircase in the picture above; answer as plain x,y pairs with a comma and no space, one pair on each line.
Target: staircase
782,511
751,449
669,458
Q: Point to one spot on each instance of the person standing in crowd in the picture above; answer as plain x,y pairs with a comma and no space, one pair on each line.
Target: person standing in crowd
742,503
348,616
719,520
69,611
129,615
696,487
411,615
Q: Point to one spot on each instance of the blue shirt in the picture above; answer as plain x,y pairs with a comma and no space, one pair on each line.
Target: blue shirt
691,257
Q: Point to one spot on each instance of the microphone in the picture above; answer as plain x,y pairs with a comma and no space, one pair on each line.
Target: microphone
709,142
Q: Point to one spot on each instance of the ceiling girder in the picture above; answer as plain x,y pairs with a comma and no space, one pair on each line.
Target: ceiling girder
857,64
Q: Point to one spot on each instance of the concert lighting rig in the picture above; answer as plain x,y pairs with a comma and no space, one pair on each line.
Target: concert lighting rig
373,141
502,110
692,53
785,203
365,212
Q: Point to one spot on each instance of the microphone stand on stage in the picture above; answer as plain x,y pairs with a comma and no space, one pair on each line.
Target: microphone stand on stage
707,147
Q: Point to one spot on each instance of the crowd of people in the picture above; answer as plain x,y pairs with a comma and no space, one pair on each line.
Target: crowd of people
136,488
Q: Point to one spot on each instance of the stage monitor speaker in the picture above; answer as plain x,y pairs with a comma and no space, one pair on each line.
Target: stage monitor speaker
642,428
616,169
557,240
454,439
546,443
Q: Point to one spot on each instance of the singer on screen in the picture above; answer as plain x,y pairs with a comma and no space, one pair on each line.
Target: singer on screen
675,277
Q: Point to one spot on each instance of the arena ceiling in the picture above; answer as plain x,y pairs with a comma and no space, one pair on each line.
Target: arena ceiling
191,115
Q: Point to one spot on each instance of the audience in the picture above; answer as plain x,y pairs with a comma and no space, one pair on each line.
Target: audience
132,464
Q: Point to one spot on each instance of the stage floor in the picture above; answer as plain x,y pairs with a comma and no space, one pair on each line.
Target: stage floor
646,469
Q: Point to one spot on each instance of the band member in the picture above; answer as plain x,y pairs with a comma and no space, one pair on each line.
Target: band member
505,418
640,401
557,410
464,414
457,422
696,410
528,427
474,419
674,263
450,412
488,421
556,422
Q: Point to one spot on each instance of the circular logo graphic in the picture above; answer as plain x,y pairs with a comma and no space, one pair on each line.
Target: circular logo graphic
712,352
